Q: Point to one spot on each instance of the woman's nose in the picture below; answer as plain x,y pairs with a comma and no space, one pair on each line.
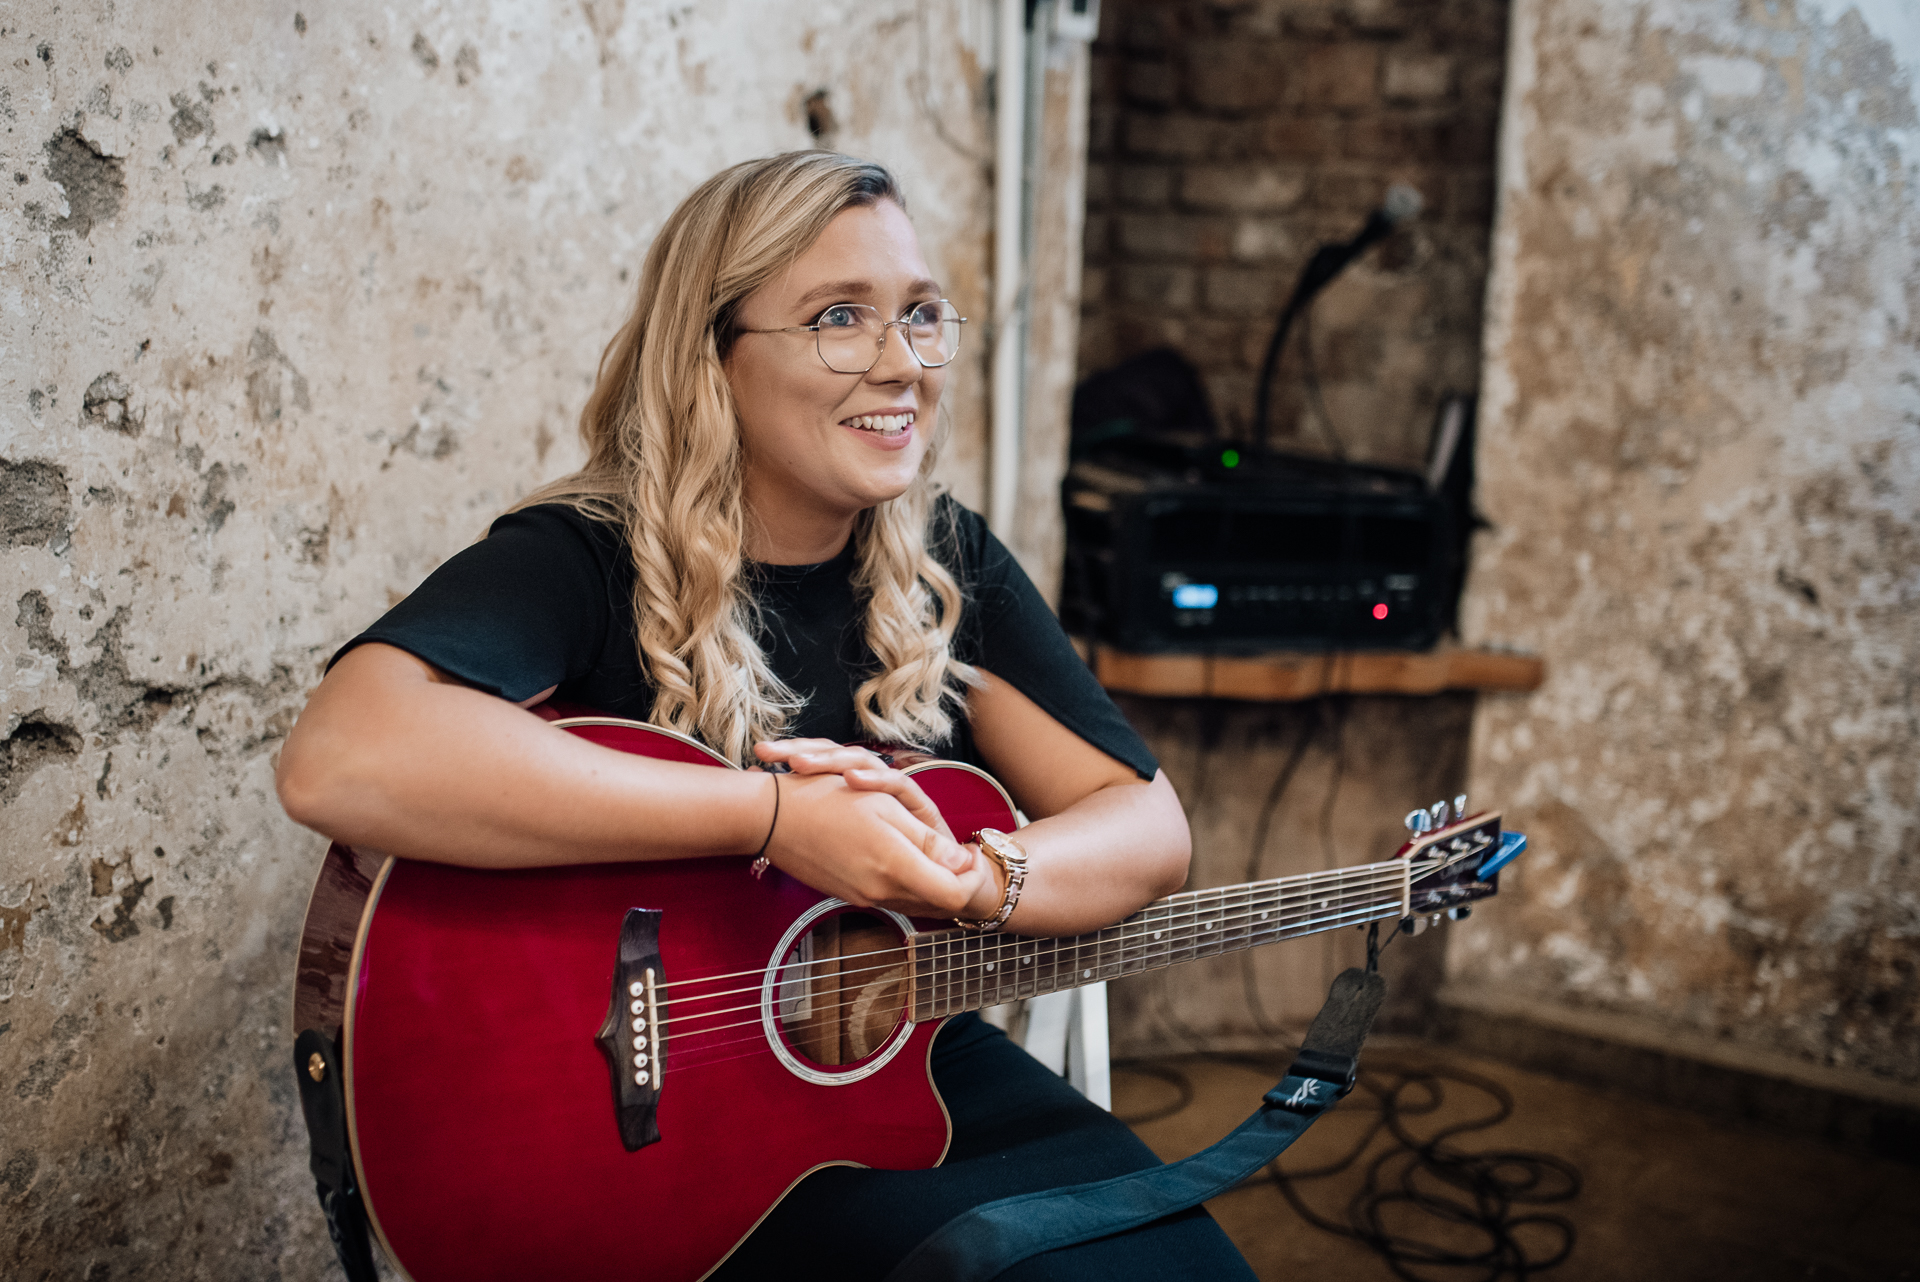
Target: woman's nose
897,363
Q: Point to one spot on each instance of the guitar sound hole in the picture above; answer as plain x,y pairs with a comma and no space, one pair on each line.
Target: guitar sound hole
842,989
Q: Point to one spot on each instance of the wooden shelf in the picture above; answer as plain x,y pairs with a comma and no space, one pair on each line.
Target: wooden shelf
1276,678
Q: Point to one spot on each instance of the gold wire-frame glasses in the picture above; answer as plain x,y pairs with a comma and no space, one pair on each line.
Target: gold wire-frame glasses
851,336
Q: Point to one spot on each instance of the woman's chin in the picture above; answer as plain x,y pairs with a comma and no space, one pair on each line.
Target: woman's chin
882,475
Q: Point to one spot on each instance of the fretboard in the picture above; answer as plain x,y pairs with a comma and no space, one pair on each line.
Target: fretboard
957,970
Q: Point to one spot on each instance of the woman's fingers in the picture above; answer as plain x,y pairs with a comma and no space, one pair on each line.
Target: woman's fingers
782,749
903,789
974,886
863,845
818,756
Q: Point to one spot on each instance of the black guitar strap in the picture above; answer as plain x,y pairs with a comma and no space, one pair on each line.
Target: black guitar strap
984,1242
316,1066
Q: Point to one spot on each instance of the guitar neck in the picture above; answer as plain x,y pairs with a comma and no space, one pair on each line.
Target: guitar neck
959,970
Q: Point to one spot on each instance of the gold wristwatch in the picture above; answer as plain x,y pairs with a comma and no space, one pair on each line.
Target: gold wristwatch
1006,852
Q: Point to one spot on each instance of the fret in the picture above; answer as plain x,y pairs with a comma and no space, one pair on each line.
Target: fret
954,1002
976,952
923,978
997,961
1003,980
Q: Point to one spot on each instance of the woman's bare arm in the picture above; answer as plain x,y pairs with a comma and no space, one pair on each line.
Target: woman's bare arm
392,755
1103,842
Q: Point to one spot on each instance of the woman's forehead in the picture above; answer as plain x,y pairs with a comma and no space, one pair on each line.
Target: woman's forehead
865,251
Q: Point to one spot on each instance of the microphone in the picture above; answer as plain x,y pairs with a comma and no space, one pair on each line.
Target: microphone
1401,204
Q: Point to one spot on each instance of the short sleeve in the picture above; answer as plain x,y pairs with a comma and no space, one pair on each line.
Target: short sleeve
524,609
1012,633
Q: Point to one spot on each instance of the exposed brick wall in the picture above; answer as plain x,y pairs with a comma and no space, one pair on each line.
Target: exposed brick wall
1228,140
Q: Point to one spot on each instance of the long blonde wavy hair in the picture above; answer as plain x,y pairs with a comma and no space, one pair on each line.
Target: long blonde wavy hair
664,463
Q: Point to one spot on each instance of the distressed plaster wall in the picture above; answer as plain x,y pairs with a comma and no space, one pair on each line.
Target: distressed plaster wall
1701,456
291,303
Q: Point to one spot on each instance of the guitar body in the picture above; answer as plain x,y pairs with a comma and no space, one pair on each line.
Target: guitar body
614,1071
470,1007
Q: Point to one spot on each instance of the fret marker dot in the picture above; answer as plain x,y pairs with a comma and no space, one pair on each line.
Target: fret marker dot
1086,974
989,966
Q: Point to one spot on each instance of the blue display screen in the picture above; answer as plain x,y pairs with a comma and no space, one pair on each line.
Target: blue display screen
1195,596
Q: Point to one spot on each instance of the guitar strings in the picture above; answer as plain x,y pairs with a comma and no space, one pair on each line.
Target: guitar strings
706,1050
1192,910
704,1047
1301,886
967,1000
977,984
1235,916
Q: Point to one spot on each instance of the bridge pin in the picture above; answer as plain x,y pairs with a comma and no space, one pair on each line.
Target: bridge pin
640,1078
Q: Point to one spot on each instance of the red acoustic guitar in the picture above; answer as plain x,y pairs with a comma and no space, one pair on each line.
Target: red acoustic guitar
615,1071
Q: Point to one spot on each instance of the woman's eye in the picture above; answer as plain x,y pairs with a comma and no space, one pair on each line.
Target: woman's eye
839,318
924,314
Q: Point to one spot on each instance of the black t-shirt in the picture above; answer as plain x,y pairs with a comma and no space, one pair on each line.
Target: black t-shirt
546,599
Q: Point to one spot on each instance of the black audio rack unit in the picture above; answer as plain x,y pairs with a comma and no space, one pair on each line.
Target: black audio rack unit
1170,548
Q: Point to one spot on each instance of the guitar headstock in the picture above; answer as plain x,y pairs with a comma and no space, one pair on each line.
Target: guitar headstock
1457,858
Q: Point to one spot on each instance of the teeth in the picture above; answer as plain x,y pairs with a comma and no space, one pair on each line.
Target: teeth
885,424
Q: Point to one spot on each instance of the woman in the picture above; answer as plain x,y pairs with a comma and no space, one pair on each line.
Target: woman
755,555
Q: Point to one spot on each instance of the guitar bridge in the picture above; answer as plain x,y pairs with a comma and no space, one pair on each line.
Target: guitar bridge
632,1037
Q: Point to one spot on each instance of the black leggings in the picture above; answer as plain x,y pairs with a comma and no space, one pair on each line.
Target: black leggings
1016,1128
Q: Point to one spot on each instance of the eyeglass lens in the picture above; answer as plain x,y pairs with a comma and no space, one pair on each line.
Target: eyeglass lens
851,335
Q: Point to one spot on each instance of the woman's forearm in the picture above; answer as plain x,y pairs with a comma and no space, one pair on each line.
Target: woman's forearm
391,759
1102,859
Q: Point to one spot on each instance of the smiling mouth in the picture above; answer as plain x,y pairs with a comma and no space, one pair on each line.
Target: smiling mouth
881,424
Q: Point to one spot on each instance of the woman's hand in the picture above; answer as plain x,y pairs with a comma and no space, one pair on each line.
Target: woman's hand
852,827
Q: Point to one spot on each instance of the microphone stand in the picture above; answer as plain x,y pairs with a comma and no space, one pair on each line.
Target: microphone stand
1327,262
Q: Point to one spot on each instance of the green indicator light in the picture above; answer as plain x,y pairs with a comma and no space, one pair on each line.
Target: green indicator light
1230,458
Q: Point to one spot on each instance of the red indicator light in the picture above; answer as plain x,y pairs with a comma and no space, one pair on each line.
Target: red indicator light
1380,611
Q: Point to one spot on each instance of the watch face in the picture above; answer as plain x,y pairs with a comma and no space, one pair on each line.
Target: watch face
1002,849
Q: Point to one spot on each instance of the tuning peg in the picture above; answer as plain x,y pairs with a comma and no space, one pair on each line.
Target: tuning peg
1439,812
1418,821
1460,806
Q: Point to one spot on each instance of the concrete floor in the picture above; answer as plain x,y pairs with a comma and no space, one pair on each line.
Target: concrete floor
1666,1194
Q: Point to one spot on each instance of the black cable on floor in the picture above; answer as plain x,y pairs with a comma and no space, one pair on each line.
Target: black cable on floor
1485,1193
